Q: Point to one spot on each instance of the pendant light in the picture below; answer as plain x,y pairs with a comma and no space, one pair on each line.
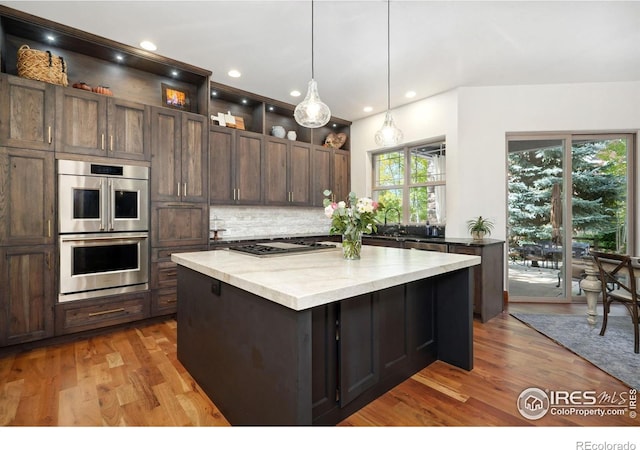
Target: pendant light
312,112
389,135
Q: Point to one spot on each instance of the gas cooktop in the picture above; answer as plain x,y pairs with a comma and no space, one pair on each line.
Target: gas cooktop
281,248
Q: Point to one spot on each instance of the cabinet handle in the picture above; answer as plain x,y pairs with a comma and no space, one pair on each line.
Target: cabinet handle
234,193
102,313
111,143
49,134
238,193
102,141
185,190
48,261
178,189
49,228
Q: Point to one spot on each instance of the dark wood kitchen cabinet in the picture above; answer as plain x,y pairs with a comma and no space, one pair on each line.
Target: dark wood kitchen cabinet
488,286
287,166
27,113
27,202
97,125
90,314
235,167
178,225
178,156
27,296
179,197
330,171
488,291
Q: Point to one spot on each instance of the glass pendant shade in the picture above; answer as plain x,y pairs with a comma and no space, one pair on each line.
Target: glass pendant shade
389,135
312,112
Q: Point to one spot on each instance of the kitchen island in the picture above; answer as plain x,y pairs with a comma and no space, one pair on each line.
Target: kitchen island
310,338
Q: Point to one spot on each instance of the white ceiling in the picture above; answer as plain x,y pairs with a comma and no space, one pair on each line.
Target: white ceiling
435,45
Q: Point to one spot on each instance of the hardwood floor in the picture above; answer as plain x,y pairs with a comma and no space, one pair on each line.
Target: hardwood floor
132,378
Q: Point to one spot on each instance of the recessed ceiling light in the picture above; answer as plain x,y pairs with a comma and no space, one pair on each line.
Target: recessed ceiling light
148,45
271,108
367,109
295,93
410,94
233,73
244,101
119,57
50,38
214,93
174,73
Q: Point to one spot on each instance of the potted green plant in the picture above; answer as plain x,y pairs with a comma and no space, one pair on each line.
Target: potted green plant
479,228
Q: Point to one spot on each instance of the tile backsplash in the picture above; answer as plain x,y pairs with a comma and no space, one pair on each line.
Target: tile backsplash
259,221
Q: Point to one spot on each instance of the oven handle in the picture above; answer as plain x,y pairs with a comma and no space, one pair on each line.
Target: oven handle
111,207
141,237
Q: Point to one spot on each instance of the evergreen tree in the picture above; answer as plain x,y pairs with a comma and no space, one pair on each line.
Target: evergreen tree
598,192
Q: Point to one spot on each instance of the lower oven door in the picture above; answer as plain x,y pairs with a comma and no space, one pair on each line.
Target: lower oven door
93,265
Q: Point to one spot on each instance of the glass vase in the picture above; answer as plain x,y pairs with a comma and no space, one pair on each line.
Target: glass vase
352,245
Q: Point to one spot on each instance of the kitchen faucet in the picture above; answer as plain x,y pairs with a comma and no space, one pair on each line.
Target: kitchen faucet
387,212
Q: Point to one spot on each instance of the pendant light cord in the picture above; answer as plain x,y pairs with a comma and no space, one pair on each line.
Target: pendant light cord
312,71
388,55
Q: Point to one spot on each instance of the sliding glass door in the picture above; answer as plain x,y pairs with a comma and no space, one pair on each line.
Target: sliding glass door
567,194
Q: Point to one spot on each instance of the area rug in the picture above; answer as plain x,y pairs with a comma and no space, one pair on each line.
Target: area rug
612,352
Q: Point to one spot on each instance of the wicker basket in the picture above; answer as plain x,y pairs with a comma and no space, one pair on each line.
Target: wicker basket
42,66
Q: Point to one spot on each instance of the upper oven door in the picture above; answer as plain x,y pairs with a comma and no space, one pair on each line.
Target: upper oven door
82,204
128,205
89,204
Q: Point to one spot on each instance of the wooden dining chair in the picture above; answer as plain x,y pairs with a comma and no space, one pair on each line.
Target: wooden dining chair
617,271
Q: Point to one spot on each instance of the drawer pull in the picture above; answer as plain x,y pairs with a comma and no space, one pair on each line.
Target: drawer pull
109,311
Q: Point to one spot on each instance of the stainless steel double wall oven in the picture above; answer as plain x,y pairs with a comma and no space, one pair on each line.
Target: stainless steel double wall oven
103,229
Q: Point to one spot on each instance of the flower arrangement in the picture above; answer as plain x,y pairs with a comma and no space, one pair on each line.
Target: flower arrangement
352,218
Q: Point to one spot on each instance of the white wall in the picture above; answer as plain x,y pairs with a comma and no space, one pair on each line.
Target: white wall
475,122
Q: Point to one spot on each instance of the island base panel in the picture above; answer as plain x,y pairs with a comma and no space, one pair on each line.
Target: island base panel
252,357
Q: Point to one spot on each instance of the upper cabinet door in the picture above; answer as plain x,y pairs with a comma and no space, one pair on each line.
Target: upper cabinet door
341,172
27,113
299,174
248,168
81,122
194,159
166,140
321,174
128,130
276,187
221,151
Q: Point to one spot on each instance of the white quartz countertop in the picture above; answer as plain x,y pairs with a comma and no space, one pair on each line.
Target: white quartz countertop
305,280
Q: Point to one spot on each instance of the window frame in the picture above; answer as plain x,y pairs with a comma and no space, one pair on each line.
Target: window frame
407,184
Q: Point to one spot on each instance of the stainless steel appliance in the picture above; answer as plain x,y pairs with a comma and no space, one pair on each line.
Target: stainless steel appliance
93,265
102,197
265,249
104,229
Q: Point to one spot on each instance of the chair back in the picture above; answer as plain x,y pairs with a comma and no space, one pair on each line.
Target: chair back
617,270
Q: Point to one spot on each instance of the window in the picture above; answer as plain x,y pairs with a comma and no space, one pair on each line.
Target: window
413,176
